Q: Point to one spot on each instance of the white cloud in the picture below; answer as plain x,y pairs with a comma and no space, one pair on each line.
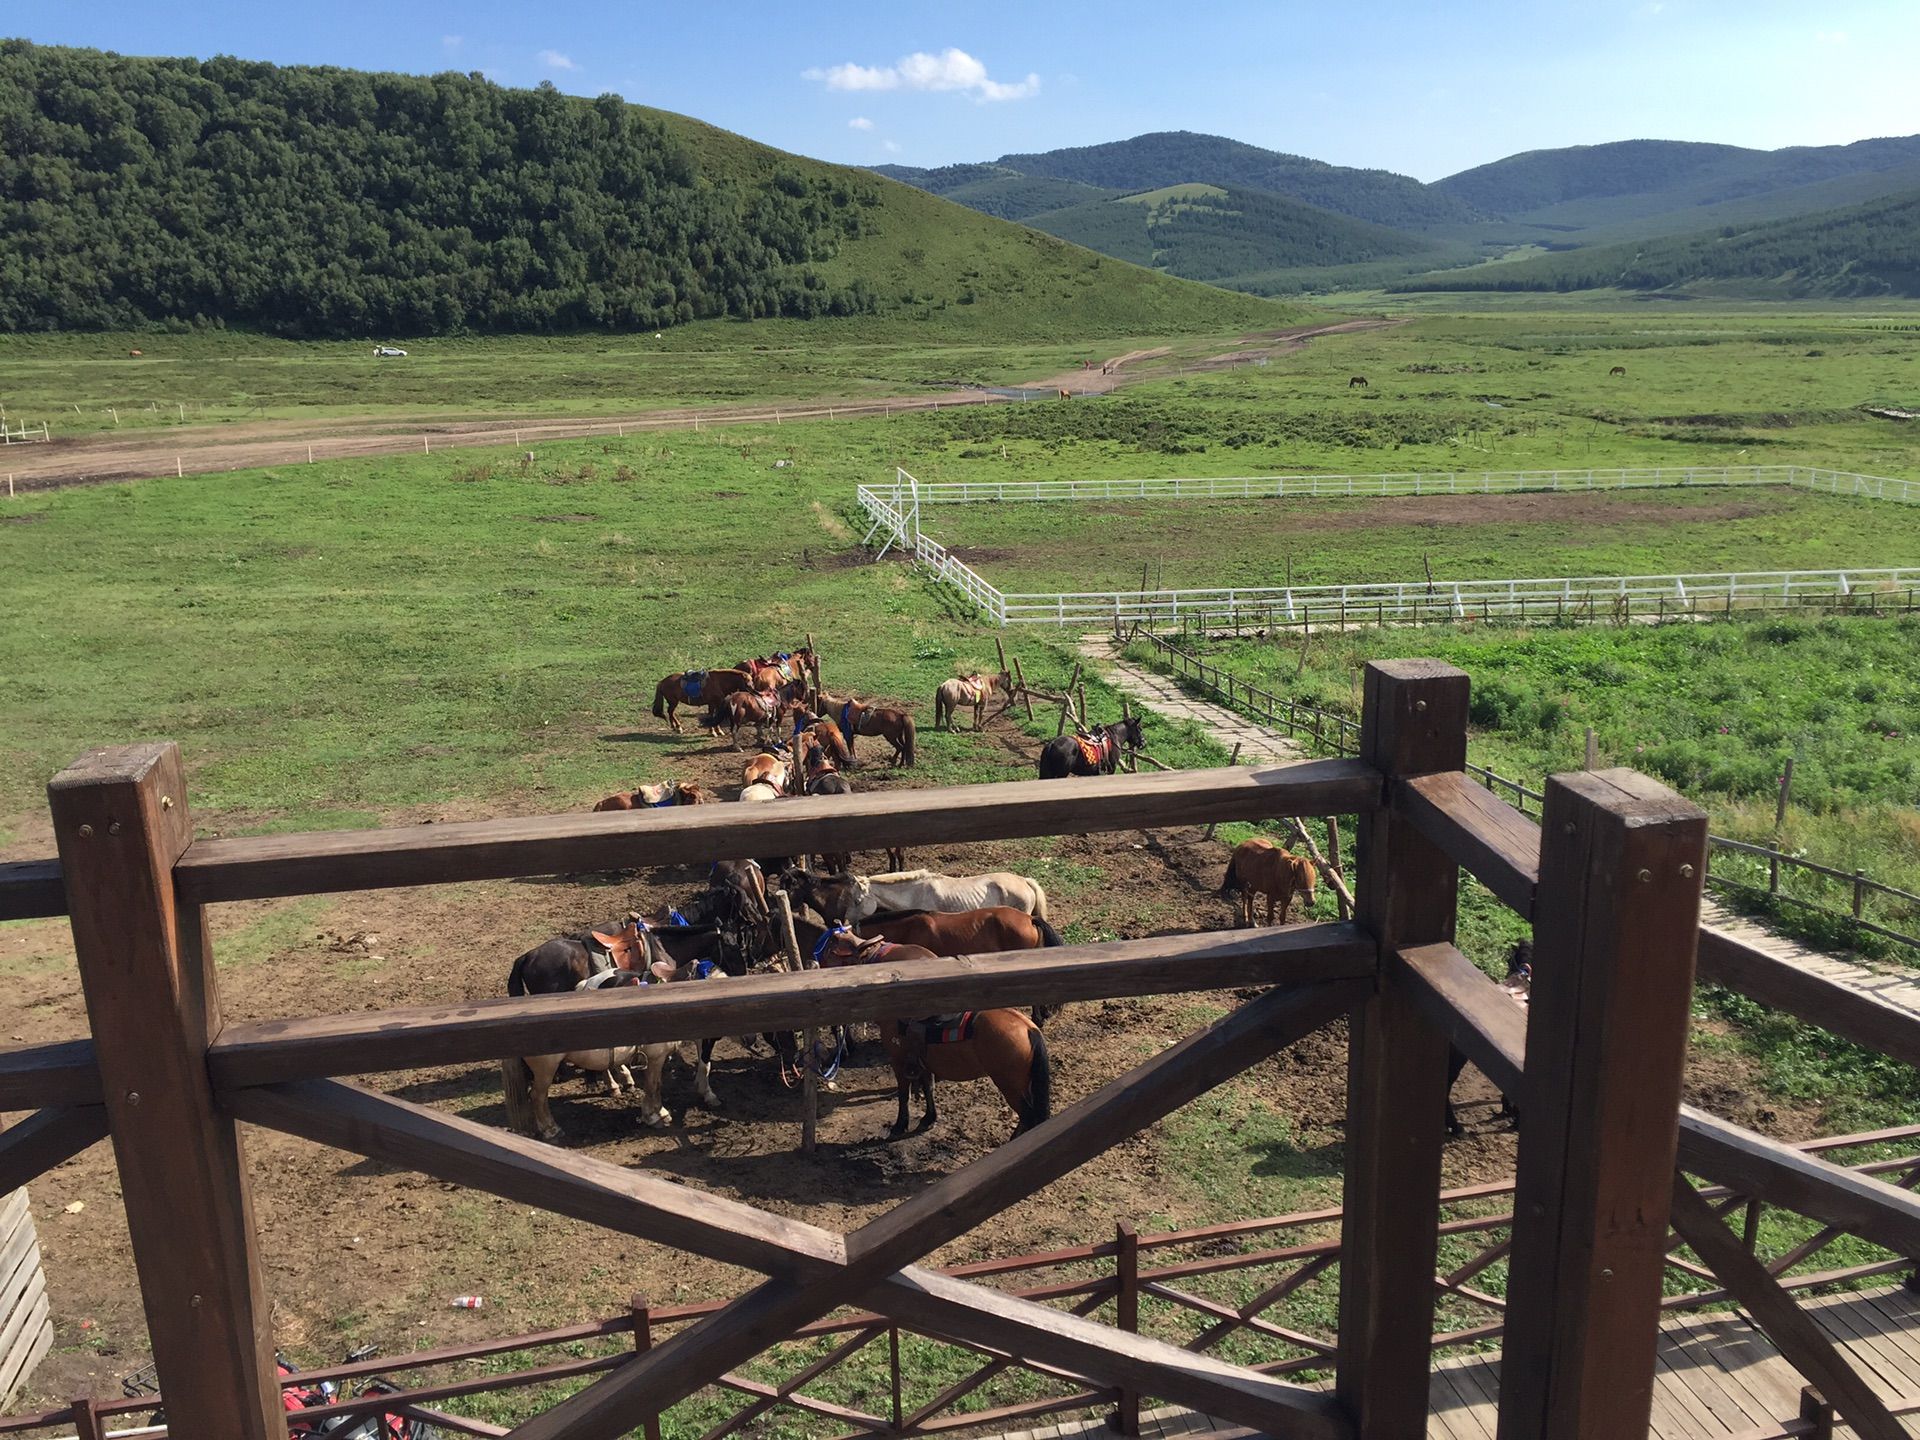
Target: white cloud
950,70
554,60
892,147
859,122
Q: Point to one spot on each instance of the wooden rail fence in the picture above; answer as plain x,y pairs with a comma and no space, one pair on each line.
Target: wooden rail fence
1610,881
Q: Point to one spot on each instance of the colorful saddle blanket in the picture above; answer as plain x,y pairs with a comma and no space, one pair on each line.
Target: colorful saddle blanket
692,682
947,1029
1095,751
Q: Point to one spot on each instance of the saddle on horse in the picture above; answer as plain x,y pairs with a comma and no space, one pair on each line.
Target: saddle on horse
916,1035
690,683
1094,749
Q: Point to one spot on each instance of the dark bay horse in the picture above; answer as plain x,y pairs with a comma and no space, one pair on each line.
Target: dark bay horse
696,687
998,1045
858,717
1096,754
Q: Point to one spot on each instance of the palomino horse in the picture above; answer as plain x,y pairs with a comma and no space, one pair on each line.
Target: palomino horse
852,898
653,797
974,690
1260,867
1518,985
998,1045
1095,754
695,687
856,717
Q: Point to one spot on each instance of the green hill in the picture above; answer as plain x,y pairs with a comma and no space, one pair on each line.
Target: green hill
325,202
1015,197
1653,186
1864,250
1205,232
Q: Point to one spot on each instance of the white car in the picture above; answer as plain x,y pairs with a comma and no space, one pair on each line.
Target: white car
388,350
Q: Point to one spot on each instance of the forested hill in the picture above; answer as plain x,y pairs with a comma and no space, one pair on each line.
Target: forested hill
325,202
1864,250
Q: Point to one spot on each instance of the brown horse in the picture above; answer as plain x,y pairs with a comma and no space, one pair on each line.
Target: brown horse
1261,867
808,726
696,687
974,690
857,717
767,672
1619,370
758,708
767,770
653,797
998,1045
1357,381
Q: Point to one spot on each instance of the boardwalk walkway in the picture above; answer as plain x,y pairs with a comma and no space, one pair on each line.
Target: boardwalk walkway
1717,1377
1894,985
1256,742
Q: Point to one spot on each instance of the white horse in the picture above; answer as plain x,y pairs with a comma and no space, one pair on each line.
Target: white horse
859,896
528,1079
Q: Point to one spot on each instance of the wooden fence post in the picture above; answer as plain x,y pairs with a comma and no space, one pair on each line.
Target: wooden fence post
643,1342
1126,1314
146,966
1621,865
1414,722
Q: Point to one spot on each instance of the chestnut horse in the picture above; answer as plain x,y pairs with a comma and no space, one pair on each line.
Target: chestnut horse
653,797
696,687
809,726
857,717
758,708
998,1045
1260,867
768,671
974,690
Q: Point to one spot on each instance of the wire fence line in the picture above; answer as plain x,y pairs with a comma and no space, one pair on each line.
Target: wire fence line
895,509
1332,733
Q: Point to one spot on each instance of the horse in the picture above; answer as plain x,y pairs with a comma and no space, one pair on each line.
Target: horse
1095,754
632,953
1619,370
1066,394
809,726
654,797
759,708
1357,381
974,690
1518,985
857,717
695,687
852,898
764,769
1260,867
767,672
998,1045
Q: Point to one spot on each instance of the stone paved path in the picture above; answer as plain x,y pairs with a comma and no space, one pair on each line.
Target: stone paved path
1256,742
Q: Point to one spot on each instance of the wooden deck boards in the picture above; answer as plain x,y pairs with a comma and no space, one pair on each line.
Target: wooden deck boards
1717,1376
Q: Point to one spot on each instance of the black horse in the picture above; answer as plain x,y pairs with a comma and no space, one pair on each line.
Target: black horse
1097,754
1519,980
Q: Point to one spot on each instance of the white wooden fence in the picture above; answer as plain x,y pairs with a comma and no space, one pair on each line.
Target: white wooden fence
895,510
26,1329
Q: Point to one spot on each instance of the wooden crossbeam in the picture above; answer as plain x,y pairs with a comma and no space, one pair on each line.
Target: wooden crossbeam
274,1051
45,1139
61,1073
32,890
818,1270
1485,1023
1479,832
257,867
1794,1333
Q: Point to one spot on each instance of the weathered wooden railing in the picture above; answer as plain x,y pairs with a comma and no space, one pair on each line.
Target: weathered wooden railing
1610,881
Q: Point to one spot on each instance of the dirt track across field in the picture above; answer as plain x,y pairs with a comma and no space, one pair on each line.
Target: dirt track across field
199,450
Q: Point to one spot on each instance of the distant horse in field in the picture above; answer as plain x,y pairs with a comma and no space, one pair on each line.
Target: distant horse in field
695,687
1066,394
654,797
859,717
1095,754
998,1045
1619,370
1519,985
974,690
853,898
1357,382
1260,867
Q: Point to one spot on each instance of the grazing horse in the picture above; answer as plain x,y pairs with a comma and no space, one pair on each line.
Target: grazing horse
1357,382
1619,370
998,1045
695,687
654,797
974,690
1518,985
1095,754
857,717
852,898
1260,867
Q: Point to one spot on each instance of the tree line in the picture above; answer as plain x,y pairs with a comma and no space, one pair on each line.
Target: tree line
323,202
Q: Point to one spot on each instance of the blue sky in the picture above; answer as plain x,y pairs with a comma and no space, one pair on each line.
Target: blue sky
1422,88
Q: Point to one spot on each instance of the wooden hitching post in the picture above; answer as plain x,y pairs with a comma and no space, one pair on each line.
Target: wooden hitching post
809,1082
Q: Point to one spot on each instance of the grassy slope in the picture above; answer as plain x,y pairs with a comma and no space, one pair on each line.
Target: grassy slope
1016,197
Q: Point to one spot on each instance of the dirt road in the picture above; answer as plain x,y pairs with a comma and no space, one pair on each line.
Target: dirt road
199,450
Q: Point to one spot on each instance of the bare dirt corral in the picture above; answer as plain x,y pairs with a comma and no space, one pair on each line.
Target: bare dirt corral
356,1250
